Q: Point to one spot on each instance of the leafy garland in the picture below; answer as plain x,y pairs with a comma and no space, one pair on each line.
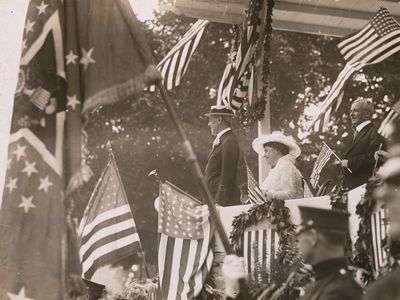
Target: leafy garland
249,114
283,282
363,253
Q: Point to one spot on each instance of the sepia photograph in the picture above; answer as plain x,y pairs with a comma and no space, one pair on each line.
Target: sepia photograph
200,149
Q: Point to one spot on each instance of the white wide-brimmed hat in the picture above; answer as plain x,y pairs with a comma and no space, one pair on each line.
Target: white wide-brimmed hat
277,137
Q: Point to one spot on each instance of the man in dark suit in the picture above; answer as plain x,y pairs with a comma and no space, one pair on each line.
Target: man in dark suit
359,155
222,161
321,239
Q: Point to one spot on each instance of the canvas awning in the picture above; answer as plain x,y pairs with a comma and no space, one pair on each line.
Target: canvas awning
326,17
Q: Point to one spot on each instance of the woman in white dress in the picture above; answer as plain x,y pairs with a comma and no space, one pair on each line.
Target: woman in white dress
284,180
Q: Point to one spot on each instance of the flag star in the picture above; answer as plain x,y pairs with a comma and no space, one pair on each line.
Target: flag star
71,57
24,46
42,8
20,296
9,163
29,168
45,184
12,184
87,58
20,151
26,203
73,101
29,26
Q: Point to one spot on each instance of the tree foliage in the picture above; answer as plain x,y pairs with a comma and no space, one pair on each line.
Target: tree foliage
143,138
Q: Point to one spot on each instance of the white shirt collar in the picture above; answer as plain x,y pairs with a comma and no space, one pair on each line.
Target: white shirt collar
219,134
360,126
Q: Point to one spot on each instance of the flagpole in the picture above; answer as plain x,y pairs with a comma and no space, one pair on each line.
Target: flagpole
376,160
132,23
112,160
337,157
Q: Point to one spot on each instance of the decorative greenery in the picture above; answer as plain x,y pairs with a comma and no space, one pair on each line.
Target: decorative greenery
252,112
282,282
363,253
141,289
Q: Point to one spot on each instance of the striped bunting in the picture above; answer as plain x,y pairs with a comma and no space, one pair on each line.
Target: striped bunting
107,230
375,42
322,159
379,228
255,194
259,248
394,114
184,253
175,63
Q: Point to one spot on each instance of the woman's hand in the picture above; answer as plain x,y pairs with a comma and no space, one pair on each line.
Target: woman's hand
233,270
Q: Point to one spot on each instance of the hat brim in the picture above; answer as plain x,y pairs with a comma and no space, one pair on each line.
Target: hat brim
258,144
218,114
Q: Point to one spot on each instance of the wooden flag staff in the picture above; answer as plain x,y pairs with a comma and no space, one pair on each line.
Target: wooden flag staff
138,36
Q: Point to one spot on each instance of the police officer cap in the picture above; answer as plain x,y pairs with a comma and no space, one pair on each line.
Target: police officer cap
325,219
95,290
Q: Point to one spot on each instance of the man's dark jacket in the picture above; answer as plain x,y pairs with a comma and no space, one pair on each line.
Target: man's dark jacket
386,288
333,281
360,154
221,170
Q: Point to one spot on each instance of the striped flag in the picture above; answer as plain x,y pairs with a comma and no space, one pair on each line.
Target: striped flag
175,63
236,80
255,194
259,247
184,253
379,228
322,159
394,114
375,42
107,231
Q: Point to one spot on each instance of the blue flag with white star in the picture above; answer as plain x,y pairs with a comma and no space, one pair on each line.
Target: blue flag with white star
76,55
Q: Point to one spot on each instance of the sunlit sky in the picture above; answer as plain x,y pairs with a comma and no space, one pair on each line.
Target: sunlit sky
144,9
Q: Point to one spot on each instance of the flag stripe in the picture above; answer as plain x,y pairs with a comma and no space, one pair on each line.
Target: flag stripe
104,217
106,234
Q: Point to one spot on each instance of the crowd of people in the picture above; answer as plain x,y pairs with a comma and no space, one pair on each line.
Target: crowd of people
322,233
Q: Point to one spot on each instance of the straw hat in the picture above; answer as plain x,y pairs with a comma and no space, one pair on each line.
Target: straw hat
220,110
277,137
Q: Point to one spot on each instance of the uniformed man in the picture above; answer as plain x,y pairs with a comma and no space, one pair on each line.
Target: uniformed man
321,239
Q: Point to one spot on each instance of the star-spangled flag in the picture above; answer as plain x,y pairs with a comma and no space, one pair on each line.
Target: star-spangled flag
184,248
323,157
74,54
372,44
393,114
107,231
255,194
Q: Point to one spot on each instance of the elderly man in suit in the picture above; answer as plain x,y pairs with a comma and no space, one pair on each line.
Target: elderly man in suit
359,155
222,162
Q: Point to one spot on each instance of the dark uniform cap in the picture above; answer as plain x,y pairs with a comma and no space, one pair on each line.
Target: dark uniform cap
318,218
95,290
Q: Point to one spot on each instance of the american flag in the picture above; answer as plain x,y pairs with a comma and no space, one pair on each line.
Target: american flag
107,231
235,82
375,42
174,65
322,159
259,247
379,227
255,193
393,114
184,252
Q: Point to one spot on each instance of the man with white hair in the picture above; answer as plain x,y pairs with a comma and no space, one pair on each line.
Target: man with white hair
359,155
